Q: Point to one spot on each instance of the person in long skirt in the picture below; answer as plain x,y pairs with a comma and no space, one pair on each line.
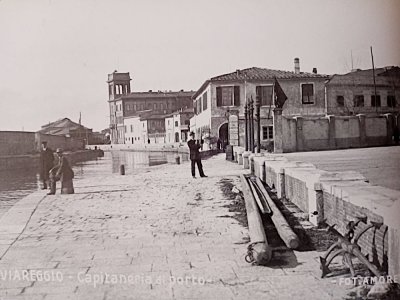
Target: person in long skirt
63,172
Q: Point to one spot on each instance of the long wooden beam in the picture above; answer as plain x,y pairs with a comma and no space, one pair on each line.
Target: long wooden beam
285,232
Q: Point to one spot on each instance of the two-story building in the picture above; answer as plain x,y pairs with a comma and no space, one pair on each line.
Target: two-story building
357,93
221,100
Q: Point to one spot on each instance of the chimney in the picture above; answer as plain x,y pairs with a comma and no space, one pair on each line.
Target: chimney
297,65
314,70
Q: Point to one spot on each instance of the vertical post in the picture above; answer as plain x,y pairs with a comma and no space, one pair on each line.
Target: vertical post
251,125
258,117
362,128
278,130
373,74
246,134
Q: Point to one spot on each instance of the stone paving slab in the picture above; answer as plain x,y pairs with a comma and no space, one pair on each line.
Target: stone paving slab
155,234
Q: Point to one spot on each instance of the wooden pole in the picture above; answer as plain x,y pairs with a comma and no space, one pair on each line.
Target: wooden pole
251,125
261,251
285,232
373,74
258,120
246,134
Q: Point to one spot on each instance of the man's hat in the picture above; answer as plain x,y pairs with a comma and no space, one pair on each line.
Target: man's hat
191,133
59,150
44,143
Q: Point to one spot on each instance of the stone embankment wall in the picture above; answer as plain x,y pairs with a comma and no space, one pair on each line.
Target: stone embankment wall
293,134
23,143
335,198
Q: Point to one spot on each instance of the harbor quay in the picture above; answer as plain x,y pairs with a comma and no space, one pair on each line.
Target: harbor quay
154,233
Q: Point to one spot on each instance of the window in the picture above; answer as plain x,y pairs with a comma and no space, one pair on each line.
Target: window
268,133
168,122
391,101
198,105
376,101
307,93
125,129
340,101
205,101
265,94
176,123
358,100
228,95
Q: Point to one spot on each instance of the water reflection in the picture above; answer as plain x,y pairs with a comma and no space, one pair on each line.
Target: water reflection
16,184
136,160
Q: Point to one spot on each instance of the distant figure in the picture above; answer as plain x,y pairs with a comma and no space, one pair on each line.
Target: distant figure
63,172
195,156
219,145
396,134
101,152
148,141
46,163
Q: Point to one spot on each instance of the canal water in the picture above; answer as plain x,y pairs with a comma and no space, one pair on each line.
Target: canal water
16,184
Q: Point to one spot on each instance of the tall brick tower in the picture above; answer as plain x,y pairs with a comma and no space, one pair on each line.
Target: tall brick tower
118,86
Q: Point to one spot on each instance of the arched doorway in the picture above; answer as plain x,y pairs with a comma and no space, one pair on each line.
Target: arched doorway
223,135
176,137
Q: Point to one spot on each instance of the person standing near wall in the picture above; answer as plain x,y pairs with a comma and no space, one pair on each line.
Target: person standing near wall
46,164
63,172
195,157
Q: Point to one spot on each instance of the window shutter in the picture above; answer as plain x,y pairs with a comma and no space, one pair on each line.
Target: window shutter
195,107
259,93
219,96
236,97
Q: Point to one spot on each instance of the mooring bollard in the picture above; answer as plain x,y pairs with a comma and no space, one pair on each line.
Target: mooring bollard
122,169
178,160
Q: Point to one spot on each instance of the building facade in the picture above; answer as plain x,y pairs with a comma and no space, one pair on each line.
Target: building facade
354,93
219,104
124,104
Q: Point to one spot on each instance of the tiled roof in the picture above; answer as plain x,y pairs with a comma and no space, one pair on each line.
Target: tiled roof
255,73
152,117
383,77
61,127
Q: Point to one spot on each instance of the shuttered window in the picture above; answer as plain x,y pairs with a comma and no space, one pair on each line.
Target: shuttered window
228,96
265,93
307,93
205,101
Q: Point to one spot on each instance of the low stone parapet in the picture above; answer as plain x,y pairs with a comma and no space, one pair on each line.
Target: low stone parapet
338,198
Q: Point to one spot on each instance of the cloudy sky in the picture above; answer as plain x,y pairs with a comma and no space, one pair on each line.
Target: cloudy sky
55,54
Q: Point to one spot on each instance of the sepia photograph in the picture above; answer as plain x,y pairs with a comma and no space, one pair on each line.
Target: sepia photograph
199,149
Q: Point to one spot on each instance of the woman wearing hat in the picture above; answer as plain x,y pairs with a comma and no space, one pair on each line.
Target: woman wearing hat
63,172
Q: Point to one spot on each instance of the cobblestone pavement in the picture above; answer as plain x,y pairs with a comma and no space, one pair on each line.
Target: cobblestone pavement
155,234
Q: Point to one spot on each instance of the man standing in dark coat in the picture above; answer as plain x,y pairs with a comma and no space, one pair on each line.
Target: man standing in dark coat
195,156
46,164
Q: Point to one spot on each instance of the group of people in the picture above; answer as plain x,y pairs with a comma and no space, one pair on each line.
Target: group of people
55,169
